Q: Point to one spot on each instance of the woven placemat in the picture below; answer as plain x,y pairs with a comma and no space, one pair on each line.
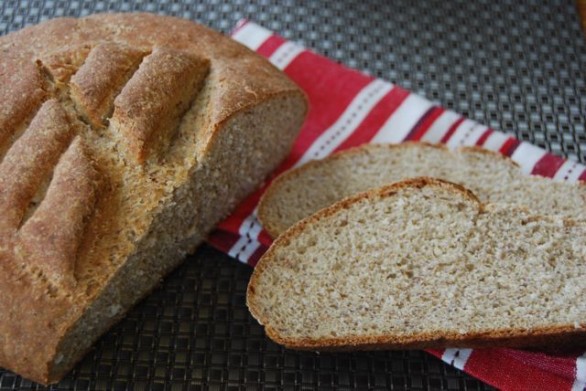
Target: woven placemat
515,66
195,333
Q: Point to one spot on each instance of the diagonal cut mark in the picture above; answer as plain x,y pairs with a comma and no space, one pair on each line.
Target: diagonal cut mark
100,79
18,110
30,161
150,107
86,83
48,181
69,202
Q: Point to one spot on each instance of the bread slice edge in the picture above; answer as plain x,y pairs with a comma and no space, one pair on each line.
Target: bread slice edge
270,208
274,229
559,336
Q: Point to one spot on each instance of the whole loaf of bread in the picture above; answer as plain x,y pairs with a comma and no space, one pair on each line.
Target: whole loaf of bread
124,138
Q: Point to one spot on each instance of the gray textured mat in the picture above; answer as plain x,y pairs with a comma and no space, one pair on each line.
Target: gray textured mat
195,333
516,66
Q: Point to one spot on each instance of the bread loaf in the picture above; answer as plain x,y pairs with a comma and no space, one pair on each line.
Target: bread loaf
423,264
492,177
124,138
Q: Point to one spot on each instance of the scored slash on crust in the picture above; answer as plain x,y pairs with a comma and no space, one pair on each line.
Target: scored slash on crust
49,184
142,95
48,240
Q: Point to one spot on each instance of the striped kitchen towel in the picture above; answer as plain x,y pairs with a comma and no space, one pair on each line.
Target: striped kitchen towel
349,108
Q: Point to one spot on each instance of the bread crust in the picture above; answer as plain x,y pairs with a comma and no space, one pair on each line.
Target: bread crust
560,337
554,336
128,202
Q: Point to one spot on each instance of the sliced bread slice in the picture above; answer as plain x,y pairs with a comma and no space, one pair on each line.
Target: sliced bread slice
423,264
492,177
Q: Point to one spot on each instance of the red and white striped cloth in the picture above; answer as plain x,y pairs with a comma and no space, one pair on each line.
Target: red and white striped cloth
349,108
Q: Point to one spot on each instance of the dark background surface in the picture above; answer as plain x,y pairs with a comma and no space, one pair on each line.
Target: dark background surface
516,66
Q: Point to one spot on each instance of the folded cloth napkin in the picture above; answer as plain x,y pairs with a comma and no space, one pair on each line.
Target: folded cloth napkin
349,108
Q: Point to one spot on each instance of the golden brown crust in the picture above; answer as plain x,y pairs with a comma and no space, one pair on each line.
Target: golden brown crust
30,160
154,100
64,63
105,121
20,97
68,204
101,77
545,336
